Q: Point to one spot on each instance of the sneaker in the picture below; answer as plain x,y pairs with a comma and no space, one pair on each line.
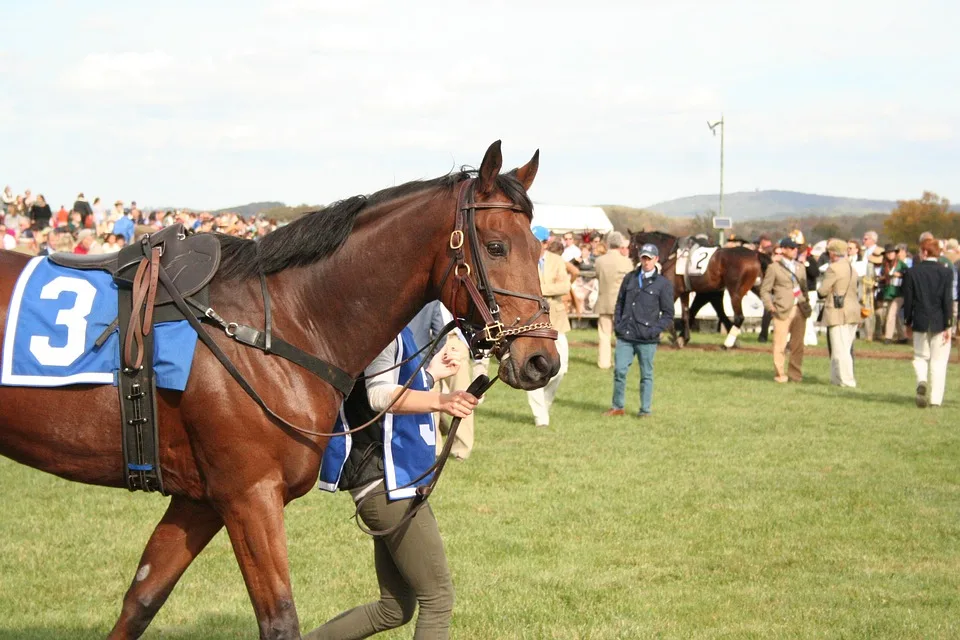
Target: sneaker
613,412
644,415
922,395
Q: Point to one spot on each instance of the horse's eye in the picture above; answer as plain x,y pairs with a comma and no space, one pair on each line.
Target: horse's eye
497,249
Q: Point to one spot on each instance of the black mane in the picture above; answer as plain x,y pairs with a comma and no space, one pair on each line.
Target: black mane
653,236
318,234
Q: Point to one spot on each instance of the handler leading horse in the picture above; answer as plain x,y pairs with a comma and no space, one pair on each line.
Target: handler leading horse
734,269
344,281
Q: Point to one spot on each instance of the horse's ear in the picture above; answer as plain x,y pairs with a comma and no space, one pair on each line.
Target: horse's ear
490,168
528,172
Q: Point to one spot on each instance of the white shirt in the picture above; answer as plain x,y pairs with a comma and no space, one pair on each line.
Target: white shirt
571,253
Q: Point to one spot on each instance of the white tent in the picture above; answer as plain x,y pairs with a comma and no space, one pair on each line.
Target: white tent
560,218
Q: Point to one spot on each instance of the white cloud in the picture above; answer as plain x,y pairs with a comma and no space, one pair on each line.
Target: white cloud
609,90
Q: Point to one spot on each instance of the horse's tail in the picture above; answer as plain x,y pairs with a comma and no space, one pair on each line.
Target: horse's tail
765,261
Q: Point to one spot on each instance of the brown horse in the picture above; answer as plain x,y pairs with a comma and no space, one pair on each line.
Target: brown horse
344,281
734,269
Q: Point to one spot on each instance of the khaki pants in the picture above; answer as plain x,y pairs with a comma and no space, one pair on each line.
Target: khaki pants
540,400
892,325
794,326
841,354
463,442
930,358
604,333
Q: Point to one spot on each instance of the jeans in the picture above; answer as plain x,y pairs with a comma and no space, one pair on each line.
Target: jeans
623,358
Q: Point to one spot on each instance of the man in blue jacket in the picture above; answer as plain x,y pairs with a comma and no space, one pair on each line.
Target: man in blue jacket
644,309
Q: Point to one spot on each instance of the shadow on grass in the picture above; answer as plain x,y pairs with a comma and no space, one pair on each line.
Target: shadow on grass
584,405
209,627
509,416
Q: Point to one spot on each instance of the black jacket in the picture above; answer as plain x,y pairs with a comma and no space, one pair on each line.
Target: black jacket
642,314
928,297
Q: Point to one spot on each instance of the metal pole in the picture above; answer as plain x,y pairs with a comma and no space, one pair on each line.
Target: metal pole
721,164
713,130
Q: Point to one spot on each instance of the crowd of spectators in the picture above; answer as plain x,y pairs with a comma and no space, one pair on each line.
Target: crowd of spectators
30,226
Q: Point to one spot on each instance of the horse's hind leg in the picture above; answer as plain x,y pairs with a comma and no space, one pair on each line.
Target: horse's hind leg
255,525
182,533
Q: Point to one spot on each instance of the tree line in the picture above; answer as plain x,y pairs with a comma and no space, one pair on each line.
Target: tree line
904,223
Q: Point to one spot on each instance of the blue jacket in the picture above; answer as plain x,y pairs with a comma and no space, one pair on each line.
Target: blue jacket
124,227
405,445
643,312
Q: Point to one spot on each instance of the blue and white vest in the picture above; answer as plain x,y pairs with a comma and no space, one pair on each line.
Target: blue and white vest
409,441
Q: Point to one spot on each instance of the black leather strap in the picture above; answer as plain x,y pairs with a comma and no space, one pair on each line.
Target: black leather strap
267,316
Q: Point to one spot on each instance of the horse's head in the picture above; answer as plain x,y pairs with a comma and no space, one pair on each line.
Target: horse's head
499,256
664,242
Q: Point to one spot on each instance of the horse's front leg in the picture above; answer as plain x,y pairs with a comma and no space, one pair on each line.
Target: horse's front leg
254,521
182,533
736,301
685,317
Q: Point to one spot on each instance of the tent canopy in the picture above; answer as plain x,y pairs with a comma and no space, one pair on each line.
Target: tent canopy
561,218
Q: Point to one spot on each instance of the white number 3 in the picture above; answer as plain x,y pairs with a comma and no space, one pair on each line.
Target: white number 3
74,319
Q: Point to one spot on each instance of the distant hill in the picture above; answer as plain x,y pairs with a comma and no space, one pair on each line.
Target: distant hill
771,205
251,209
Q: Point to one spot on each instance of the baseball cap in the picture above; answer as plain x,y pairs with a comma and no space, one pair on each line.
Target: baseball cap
540,233
649,250
788,243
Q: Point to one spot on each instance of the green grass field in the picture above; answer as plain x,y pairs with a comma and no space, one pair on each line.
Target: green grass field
742,509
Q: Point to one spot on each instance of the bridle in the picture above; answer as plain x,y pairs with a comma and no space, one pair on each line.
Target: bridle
493,337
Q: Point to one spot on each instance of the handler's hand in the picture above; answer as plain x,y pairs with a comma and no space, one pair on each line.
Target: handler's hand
908,333
946,336
447,361
458,404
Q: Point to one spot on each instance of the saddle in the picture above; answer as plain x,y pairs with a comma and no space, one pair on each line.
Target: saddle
190,261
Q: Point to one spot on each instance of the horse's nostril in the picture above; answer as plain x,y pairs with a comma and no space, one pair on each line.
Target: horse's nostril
537,367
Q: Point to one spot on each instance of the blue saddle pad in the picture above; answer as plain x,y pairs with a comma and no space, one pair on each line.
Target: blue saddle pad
56,315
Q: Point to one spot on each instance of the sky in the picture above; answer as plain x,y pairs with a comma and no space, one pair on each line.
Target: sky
214,104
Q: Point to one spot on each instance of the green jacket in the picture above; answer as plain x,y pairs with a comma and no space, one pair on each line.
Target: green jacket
890,287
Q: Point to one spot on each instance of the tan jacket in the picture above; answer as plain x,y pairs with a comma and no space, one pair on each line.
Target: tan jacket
554,284
611,268
840,279
776,292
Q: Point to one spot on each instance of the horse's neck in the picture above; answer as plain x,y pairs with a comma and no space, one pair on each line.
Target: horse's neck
363,295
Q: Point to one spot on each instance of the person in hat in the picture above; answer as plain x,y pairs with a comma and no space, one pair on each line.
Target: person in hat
784,295
841,312
890,296
643,311
554,284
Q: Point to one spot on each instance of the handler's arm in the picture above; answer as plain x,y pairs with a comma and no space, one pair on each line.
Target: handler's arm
382,389
766,289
